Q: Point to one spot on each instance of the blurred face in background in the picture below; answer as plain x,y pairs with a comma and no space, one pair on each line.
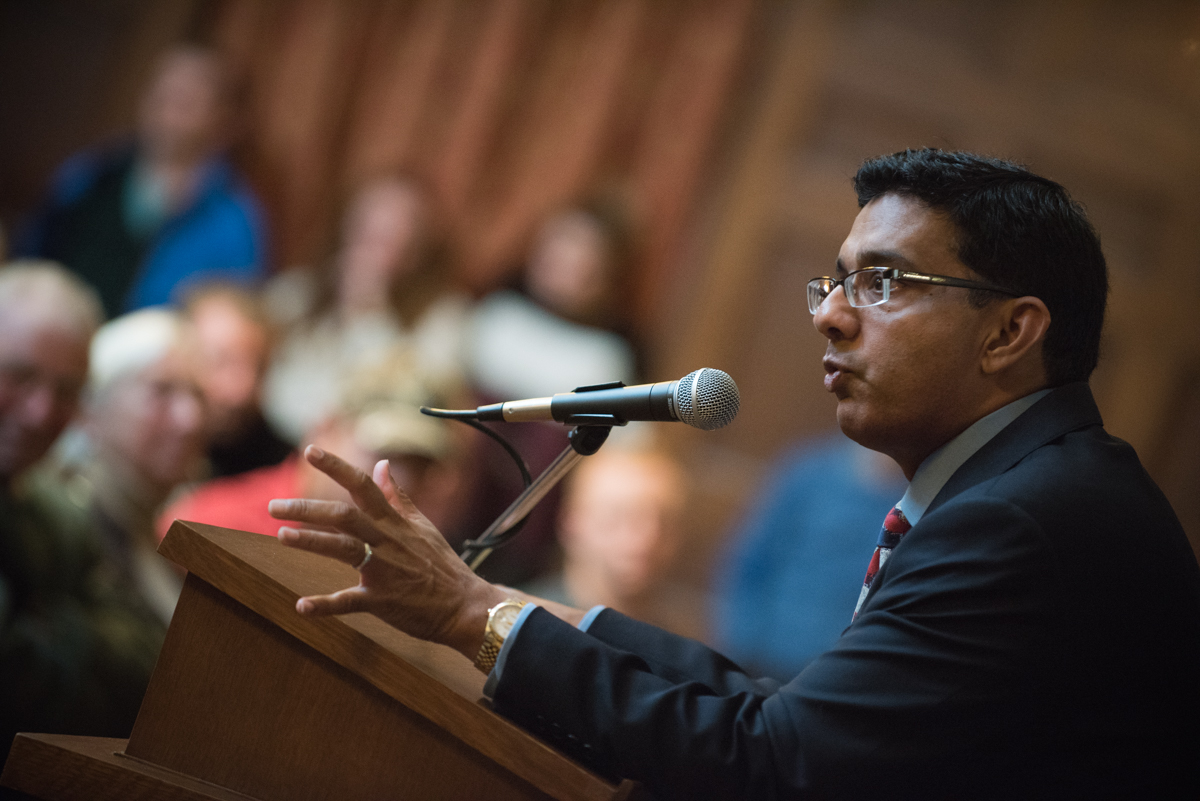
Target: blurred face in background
381,234
231,353
569,268
419,476
43,367
153,419
184,113
621,522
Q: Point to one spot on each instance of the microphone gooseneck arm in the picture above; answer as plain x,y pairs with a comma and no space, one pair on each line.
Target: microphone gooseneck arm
584,441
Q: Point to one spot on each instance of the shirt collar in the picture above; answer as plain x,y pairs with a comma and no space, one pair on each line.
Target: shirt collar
940,465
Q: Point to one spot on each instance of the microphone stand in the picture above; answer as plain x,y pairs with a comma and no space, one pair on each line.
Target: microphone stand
584,440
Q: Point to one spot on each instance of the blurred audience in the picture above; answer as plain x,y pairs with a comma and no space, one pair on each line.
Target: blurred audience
558,332
378,419
142,435
233,343
620,529
383,289
790,576
555,332
75,652
143,219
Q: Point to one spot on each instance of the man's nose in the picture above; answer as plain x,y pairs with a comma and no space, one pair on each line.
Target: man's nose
836,319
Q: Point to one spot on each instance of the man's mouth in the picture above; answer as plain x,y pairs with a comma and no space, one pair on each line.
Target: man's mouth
835,374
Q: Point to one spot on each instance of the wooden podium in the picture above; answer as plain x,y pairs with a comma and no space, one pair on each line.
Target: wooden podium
250,700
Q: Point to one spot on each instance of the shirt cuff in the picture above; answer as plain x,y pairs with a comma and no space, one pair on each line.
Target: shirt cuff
590,617
493,679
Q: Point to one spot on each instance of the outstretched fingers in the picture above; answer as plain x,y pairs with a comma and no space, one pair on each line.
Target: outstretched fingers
341,547
392,493
360,486
345,517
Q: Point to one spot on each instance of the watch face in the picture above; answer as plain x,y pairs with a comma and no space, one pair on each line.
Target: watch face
505,617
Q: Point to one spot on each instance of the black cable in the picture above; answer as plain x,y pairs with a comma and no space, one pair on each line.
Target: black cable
451,414
526,479
472,547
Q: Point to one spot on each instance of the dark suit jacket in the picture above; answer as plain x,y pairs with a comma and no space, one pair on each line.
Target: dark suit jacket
1036,634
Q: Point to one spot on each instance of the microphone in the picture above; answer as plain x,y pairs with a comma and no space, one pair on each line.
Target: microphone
705,398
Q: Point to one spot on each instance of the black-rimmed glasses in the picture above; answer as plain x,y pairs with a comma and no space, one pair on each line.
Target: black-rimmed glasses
873,286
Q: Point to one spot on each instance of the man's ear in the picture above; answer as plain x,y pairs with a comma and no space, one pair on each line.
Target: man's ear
1020,330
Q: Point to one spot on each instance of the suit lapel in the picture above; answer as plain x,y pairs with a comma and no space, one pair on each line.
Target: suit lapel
1067,408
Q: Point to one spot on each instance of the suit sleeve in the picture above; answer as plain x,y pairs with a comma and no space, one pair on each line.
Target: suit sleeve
918,693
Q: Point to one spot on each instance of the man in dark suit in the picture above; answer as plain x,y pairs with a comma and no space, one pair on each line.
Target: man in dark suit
1031,625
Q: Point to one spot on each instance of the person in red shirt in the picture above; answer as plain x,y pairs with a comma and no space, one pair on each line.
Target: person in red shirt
368,427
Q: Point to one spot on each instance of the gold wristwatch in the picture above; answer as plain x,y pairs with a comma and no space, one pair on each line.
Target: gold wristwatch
501,618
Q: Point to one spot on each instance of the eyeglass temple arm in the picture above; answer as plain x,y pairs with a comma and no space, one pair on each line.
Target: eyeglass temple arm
945,280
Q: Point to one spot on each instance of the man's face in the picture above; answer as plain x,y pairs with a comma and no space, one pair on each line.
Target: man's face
155,420
380,234
906,373
42,369
623,521
183,112
569,268
231,355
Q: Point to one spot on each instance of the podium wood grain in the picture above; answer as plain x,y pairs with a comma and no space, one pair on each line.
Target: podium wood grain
68,768
250,697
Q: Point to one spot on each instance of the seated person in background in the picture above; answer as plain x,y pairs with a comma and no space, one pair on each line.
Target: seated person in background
620,528
233,342
382,289
142,435
75,658
556,333
560,331
379,419
790,575
143,219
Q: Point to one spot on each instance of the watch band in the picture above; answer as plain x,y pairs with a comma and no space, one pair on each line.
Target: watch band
493,640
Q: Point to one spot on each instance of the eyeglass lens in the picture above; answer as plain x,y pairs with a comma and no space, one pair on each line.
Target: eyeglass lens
862,287
867,288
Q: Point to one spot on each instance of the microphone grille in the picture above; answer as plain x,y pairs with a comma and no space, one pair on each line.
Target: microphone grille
707,399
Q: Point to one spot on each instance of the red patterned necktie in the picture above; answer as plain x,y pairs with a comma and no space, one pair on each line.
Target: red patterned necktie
895,526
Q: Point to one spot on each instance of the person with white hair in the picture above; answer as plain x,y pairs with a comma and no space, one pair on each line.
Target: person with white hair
47,318
74,657
143,435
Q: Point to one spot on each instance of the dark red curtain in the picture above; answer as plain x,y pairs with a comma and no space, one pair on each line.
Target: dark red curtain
507,109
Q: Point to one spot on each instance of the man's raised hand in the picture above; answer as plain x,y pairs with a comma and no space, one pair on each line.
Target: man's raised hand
413,581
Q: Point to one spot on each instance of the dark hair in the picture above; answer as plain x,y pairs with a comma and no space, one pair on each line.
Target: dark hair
1017,230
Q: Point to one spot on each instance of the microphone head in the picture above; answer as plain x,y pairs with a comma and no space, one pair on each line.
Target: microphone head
707,399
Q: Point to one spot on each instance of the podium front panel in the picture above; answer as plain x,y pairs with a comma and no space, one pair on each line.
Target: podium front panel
237,701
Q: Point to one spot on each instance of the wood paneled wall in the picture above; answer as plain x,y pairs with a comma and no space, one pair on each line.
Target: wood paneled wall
1101,96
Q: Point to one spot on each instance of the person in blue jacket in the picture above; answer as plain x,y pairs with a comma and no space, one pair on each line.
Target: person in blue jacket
790,574
144,219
